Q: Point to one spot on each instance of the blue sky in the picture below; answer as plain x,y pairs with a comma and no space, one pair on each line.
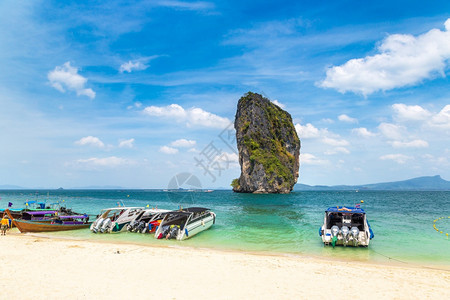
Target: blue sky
131,93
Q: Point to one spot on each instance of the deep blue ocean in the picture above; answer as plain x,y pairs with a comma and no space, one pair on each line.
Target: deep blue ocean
402,221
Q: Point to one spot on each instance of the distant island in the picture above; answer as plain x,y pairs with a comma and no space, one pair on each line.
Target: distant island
425,183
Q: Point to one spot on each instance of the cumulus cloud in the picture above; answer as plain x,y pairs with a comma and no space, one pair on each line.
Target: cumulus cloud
337,150
345,118
310,159
183,143
405,112
130,66
391,131
398,158
441,119
335,142
111,161
411,144
309,131
126,143
66,77
168,150
276,102
416,113
363,132
403,60
90,141
192,116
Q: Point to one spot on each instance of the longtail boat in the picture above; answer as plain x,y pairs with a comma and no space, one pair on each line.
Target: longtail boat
58,223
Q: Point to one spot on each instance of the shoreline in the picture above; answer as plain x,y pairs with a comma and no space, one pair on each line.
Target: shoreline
88,267
388,261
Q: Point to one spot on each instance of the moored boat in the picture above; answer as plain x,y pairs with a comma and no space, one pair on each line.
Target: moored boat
114,219
346,226
185,223
147,220
57,223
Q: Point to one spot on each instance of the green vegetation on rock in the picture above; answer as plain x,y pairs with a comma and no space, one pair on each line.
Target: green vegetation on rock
266,138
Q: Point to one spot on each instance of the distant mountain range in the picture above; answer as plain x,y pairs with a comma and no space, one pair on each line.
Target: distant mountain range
426,183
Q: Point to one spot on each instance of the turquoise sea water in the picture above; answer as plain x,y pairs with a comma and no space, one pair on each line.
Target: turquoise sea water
402,221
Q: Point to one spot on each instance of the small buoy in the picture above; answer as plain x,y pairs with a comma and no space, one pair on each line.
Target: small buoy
441,232
362,201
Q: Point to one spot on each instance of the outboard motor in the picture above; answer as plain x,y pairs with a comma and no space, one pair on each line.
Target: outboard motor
131,226
345,232
334,231
139,226
97,225
334,234
355,235
106,226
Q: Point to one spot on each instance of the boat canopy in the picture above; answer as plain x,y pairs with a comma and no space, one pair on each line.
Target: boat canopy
74,217
345,209
195,209
42,212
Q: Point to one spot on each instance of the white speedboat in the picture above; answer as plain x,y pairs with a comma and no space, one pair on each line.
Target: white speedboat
346,226
185,223
114,219
147,220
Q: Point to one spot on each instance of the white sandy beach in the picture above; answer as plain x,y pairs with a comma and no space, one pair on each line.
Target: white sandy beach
36,267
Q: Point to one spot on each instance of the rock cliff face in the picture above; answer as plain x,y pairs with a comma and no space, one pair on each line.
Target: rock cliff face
268,145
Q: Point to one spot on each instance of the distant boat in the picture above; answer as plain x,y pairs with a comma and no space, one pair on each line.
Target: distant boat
58,223
185,223
346,226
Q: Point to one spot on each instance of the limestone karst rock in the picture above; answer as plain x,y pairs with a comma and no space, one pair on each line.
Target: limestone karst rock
268,145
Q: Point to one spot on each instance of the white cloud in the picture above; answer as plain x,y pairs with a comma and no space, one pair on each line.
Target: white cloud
363,132
410,112
398,158
310,159
441,119
392,131
337,150
67,77
126,143
183,143
168,150
403,60
227,159
309,131
135,65
192,116
111,161
411,144
90,141
345,118
335,142
184,5
276,102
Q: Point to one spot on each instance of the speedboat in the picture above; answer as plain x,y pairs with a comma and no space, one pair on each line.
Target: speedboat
346,226
147,220
114,219
185,223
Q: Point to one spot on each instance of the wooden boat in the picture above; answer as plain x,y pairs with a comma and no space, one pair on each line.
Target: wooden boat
58,223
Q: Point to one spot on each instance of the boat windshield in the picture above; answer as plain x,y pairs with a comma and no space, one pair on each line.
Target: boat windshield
348,219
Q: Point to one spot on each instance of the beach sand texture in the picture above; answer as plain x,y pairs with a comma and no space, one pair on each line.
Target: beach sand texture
37,267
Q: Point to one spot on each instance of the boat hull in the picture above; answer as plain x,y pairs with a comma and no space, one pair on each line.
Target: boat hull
196,227
30,226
